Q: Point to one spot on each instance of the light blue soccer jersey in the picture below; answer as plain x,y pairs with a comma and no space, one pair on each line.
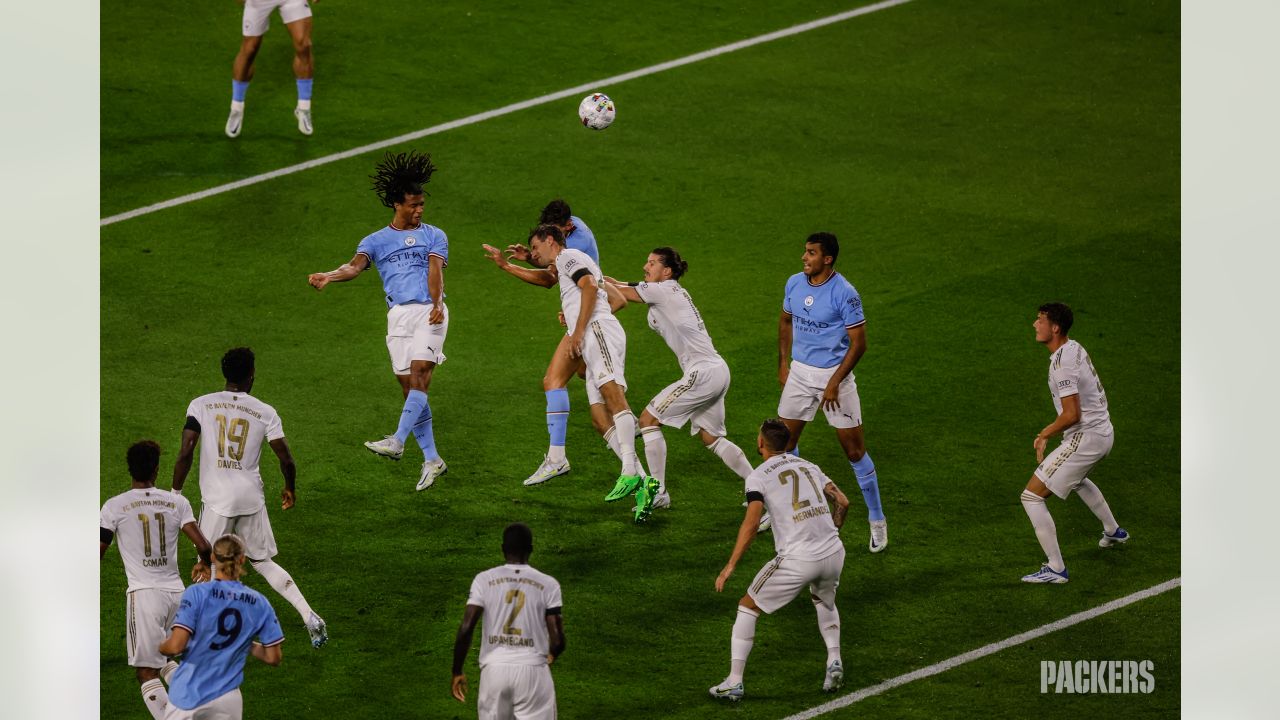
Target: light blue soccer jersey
820,318
223,616
403,258
582,239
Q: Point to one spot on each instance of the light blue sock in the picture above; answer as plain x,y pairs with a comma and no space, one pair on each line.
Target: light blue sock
557,415
238,89
422,432
304,89
409,416
865,471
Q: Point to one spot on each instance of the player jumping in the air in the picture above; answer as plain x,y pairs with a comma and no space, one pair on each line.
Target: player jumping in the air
296,15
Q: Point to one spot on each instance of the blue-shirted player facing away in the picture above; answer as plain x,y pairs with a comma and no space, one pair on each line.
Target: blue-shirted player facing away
218,625
410,256
821,336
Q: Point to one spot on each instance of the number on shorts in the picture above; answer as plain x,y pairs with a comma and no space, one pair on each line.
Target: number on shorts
229,624
146,534
516,596
794,478
237,432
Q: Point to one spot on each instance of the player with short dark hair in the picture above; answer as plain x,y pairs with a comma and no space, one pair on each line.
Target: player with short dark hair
296,15
411,257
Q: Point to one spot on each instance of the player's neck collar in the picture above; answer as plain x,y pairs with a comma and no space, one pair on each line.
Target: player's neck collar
824,282
392,225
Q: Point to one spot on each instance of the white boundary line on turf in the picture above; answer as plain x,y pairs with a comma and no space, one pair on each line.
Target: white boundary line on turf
505,110
984,651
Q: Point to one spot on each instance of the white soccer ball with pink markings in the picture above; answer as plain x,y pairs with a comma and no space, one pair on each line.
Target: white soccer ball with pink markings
597,111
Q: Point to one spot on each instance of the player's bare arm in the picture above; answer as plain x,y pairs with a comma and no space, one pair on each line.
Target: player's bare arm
348,271
289,470
746,533
784,347
587,286
186,453
176,642
555,635
542,277
104,541
617,300
461,646
435,286
269,654
1070,416
200,571
624,289
857,346
842,503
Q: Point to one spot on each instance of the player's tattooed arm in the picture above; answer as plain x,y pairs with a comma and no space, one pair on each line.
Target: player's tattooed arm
347,271
842,503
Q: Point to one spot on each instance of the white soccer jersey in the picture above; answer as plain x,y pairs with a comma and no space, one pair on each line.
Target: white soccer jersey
571,263
516,600
673,315
1071,373
146,523
792,490
233,428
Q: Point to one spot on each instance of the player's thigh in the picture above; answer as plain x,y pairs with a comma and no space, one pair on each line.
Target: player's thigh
778,583
535,696
849,414
148,616
824,586
214,525
428,339
605,352
709,416
800,396
257,17
255,530
562,367
1064,469
496,686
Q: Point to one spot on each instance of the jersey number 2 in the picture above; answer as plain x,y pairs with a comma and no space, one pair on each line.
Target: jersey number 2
790,475
516,599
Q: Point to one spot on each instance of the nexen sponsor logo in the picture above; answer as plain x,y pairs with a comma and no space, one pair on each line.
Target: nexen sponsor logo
1097,676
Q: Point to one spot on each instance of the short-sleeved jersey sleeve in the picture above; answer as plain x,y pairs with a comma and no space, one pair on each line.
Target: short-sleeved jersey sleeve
649,293
570,266
108,518
185,513
476,594
554,601
189,609
1066,378
786,296
755,483
440,246
275,428
366,248
850,307
269,632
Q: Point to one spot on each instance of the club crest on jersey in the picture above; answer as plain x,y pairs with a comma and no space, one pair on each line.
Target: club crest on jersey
808,301
411,241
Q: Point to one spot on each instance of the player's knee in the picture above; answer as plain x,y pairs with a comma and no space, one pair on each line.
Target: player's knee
855,452
303,47
1030,497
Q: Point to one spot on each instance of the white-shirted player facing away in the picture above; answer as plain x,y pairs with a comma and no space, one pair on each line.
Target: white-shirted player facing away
523,634
697,398
237,425
806,535
148,521
1087,436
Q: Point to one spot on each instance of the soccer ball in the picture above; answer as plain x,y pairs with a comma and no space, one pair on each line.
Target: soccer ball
597,111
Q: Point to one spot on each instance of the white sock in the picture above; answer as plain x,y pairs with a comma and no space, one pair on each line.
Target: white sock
655,451
166,672
611,439
1092,497
555,453
304,104
829,626
237,105
156,697
625,425
732,456
283,583
744,636
1046,532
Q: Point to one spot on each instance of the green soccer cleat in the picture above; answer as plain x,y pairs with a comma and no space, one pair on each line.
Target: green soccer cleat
625,486
646,494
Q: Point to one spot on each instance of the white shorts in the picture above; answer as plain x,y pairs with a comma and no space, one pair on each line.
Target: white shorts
1067,466
411,337
227,706
255,530
258,12
803,394
697,399
781,579
516,691
605,351
149,615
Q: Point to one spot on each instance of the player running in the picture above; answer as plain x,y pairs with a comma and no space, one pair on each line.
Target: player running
411,257
148,521
238,425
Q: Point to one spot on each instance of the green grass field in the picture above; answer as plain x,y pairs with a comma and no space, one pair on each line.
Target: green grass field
975,159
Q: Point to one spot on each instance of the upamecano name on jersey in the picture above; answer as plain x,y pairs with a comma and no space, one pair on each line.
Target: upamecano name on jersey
233,406
508,579
510,640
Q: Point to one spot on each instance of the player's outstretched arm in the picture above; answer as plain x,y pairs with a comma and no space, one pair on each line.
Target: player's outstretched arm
746,533
624,289
186,452
617,297
289,470
461,646
342,273
542,277
842,503
555,634
201,572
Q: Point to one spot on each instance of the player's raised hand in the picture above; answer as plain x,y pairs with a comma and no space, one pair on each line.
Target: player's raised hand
519,252
318,280
495,255
287,499
459,687
723,577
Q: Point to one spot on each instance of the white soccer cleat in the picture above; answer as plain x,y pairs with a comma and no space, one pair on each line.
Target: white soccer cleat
725,691
546,471
834,678
388,446
304,120
318,631
431,470
1119,538
1047,575
766,522
879,536
234,121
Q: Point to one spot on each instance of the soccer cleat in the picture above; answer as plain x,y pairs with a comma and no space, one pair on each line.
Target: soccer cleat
834,678
318,630
234,121
646,498
1121,537
546,471
388,446
879,536
625,486
766,522
661,500
1046,574
304,120
725,691
431,470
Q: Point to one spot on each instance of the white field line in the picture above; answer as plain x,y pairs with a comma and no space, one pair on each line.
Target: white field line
592,86
984,651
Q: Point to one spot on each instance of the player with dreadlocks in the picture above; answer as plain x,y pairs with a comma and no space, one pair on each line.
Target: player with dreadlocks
410,256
